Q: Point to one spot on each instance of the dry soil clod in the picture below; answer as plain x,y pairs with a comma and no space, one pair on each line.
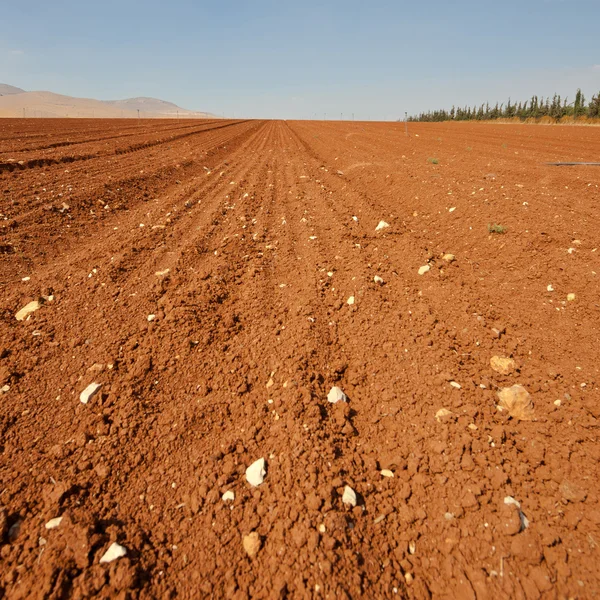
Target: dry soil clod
252,544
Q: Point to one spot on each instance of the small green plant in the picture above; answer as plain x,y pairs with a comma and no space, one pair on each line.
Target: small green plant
495,228
469,148
433,161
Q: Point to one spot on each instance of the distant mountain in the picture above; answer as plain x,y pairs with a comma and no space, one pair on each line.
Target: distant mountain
6,89
146,105
15,102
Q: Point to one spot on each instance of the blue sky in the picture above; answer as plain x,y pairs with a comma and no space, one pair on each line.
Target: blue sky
278,59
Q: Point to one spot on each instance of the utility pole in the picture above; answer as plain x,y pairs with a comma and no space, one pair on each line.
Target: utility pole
405,123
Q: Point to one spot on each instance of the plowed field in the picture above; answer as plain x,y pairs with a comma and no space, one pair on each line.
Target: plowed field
217,279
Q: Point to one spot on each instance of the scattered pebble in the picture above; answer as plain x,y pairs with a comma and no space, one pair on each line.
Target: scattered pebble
336,395
27,310
162,273
53,523
151,317
229,495
114,551
412,546
386,473
570,297
26,279
449,257
517,401
452,209
501,365
378,279
350,300
255,473
524,520
89,392
382,225
349,496
442,413
251,543
550,288
424,269
456,385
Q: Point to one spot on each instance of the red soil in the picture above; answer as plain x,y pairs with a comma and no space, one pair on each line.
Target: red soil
254,222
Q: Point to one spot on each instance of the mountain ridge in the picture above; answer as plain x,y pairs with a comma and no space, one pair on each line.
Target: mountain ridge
15,102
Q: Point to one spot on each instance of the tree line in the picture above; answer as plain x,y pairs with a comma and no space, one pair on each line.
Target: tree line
535,108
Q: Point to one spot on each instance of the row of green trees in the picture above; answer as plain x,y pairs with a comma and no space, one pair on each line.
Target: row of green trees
554,107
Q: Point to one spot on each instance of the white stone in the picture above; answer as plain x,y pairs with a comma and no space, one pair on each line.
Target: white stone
456,385
114,551
162,273
151,317
424,269
53,523
27,310
336,395
350,300
378,279
550,288
229,495
255,473
570,297
349,496
89,392
386,473
382,225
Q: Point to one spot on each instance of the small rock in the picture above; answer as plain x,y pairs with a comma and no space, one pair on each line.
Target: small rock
151,317
350,300
378,279
349,496
386,473
336,395
442,414
570,297
255,473
27,310
162,273
114,551
252,544
229,495
89,392
412,547
382,225
456,385
550,288
449,257
424,269
53,523
517,401
501,365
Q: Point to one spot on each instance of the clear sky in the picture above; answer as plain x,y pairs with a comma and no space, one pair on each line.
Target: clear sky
280,59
